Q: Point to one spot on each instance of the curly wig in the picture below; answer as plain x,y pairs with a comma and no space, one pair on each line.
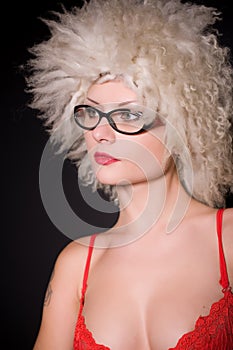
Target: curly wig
169,53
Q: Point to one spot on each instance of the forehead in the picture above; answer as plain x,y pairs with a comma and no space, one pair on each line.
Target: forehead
111,92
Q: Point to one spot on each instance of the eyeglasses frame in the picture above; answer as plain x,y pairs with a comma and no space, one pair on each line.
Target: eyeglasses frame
109,119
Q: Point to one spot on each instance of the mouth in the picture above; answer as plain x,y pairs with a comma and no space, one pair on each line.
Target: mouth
104,158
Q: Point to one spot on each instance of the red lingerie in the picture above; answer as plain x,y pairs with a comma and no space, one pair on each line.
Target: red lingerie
212,332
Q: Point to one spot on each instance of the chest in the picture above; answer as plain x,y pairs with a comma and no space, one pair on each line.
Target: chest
151,305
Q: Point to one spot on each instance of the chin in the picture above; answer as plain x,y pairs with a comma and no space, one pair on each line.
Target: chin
124,174
116,178
108,179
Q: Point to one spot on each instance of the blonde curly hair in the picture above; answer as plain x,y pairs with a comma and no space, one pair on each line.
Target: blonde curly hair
169,53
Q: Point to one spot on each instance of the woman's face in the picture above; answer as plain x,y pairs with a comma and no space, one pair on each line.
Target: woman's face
118,158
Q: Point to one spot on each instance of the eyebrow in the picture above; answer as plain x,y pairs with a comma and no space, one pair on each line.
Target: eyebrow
119,104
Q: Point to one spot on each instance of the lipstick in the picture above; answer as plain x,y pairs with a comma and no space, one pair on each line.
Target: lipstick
104,158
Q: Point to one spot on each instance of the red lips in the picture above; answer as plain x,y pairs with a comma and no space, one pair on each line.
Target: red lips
104,158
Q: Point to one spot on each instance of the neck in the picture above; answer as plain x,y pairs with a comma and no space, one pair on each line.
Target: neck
158,203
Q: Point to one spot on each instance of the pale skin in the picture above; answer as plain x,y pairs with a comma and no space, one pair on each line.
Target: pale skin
146,294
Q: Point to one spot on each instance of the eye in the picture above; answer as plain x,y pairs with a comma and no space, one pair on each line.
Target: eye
131,116
92,113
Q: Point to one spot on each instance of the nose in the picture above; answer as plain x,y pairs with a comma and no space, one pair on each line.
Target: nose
104,132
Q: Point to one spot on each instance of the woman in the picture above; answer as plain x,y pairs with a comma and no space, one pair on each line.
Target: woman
140,96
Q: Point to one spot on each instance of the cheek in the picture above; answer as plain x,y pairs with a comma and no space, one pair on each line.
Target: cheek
154,143
156,148
141,158
151,161
151,154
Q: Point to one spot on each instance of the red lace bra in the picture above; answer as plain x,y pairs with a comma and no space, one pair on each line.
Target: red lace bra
212,332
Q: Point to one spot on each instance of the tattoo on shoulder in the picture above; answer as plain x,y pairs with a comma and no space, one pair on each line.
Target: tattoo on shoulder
49,291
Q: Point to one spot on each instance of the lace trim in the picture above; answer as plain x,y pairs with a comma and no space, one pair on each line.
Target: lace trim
215,329
83,339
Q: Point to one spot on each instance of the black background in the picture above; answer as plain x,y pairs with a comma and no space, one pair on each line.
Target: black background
30,241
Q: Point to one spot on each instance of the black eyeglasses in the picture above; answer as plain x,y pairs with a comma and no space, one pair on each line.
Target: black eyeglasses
128,121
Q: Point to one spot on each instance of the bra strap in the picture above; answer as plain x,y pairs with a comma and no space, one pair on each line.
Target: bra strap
87,266
223,268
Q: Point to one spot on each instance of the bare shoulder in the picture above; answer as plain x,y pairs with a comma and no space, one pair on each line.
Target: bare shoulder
71,260
76,251
227,234
73,253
